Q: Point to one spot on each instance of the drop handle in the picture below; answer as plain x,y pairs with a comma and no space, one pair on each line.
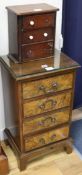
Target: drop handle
41,87
54,87
49,120
53,137
52,104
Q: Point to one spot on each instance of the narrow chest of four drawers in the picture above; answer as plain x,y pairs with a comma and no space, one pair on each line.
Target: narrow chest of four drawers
40,113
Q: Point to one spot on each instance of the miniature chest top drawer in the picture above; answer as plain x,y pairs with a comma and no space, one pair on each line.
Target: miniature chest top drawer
31,31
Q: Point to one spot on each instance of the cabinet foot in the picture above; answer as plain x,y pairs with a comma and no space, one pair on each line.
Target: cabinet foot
22,164
68,148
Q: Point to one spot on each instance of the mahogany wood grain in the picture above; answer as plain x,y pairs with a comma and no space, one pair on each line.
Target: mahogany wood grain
36,51
30,9
40,21
40,35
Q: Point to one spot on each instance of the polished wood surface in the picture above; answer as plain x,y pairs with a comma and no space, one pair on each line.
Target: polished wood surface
46,138
31,8
47,86
36,68
47,104
40,35
36,51
48,120
40,21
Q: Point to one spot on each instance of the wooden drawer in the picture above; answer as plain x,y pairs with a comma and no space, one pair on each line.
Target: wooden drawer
37,35
46,138
46,121
46,104
36,51
46,86
38,21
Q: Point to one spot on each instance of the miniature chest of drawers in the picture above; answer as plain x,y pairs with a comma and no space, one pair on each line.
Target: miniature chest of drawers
31,31
38,101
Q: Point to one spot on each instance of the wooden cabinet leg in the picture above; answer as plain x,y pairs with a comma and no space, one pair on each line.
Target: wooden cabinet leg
22,164
68,148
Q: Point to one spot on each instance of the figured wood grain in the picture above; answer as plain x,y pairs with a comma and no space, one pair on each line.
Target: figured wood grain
38,35
47,104
46,138
47,85
46,121
36,51
40,21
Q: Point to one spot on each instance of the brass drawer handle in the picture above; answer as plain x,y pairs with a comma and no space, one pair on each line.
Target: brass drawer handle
42,88
47,121
53,137
43,105
54,87
42,141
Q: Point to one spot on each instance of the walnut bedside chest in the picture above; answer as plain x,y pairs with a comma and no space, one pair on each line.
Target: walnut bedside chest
38,98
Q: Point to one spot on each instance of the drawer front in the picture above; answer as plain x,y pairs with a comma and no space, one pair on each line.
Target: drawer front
46,138
46,121
37,35
46,86
36,51
46,104
38,21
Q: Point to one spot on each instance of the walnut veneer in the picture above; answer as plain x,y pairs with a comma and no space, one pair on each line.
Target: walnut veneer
40,95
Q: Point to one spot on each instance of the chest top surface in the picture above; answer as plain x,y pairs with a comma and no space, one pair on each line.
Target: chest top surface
31,9
59,62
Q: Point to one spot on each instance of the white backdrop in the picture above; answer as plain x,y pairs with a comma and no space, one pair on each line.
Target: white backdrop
4,39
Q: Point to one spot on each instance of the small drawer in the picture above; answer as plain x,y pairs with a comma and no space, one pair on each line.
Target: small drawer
46,138
46,121
38,21
39,35
47,86
46,104
36,51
